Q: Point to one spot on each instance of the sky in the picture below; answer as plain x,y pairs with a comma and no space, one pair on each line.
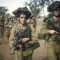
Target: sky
11,5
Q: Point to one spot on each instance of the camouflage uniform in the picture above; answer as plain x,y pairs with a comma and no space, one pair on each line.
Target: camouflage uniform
7,28
17,22
32,23
29,51
9,23
14,23
20,54
53,41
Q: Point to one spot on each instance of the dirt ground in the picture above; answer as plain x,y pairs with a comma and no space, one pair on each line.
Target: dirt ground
39,54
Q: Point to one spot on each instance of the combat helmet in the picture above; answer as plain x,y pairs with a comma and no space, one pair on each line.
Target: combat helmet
55,5
23,10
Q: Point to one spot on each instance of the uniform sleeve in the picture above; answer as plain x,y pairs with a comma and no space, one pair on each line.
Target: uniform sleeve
11,39
33,35
7,24
44,29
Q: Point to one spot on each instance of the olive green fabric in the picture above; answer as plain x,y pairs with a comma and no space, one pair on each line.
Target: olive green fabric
53,40
1,31
7,28
32,22
53,50
15,23
27,51
21,57
55,5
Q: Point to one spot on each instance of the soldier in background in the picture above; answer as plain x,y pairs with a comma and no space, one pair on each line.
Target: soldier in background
16,22
17,18
13,21
7,20
8,26
32,21
51,27
1,27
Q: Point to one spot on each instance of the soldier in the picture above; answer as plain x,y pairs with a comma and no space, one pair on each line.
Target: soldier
32,21
17,18
16,21
1,28
13,21
8,27
51,27
23,14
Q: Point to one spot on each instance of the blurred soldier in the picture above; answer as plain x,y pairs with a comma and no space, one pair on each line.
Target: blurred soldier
7,20
17,18
51,27
21,54
13,21
1,27
32,21
8,26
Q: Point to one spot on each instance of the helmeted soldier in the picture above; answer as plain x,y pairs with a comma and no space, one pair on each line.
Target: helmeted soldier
17,18
13,21
32,21
23,54
8,26
51,27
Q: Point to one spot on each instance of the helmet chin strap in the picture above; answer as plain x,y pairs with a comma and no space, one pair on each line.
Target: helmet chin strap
22,23
56,16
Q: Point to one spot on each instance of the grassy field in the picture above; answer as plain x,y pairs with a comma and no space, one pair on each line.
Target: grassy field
39,54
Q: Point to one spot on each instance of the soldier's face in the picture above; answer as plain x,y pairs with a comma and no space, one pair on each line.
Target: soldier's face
9,19
56,12
17,18
33,17
13,19
22,18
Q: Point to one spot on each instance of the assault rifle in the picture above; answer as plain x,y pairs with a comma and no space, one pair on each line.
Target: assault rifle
56,28
26,33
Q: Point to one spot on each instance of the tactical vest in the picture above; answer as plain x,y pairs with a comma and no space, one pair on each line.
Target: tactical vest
53,25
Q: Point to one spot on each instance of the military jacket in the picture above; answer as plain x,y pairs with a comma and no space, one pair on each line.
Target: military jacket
34,39
45,30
